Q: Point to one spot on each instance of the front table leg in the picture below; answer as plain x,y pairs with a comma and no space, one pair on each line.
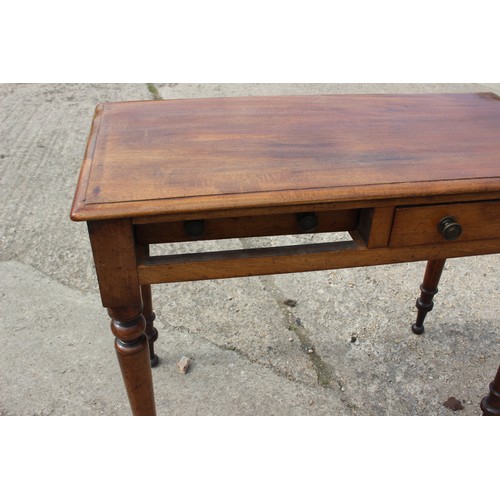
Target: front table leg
113,247
428,290
131,345
491,403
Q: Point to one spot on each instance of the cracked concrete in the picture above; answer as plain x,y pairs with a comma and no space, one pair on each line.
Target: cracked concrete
344,348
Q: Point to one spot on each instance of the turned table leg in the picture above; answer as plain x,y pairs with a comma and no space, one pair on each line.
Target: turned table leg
428,290
149,316
491,403
114,251
132,349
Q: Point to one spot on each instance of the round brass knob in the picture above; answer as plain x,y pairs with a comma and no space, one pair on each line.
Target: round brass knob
307,221
450,228
194,228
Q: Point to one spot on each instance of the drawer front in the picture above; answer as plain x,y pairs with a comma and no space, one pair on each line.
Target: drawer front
447,223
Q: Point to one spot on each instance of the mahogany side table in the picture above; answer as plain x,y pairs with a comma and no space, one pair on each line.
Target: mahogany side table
410,177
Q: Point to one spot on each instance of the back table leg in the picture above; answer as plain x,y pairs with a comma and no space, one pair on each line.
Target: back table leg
150,316
491,403
428,290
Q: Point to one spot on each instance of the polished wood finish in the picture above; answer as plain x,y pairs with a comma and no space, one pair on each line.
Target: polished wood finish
292,259
409,177
428,289
149,316
245,227
114,259
113,248
132,349
375,226
197,155
142,251
420,226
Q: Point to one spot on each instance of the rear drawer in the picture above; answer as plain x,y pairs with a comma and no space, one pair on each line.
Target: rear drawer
447,223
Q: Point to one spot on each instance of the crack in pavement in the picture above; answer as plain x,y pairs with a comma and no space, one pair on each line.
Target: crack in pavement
183,330
155,94
325,373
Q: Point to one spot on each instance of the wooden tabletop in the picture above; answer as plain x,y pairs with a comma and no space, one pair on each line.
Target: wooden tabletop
199,155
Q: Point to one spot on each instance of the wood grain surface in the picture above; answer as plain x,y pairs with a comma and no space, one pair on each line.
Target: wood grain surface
163,157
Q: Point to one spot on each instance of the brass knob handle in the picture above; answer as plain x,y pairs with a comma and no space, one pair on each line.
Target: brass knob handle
194,228
450,228
307,221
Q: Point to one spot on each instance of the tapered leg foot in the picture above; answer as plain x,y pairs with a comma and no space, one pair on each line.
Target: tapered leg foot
428,290
417,329
154,360
149,315
490,405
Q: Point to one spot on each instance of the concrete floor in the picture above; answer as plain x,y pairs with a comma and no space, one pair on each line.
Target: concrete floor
250,350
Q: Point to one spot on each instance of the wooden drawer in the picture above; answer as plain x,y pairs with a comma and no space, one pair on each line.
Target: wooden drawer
466,222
